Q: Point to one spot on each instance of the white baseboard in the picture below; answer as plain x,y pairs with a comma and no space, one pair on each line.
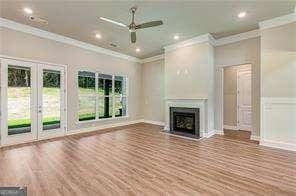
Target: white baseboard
276,144
214,132
230,127
210,133
166,128
154,122
95,128
219,132
255,137
82,130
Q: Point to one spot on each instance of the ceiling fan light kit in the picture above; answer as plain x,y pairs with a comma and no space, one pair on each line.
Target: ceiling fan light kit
133,26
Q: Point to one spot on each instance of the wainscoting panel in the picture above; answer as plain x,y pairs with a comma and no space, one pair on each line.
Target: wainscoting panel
278,123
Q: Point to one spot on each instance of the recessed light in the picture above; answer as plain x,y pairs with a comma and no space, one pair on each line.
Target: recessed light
138,50
28,10
98,36
176,37
242,14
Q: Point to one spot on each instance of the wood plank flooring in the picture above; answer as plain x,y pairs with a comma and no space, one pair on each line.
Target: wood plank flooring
139,160
239,135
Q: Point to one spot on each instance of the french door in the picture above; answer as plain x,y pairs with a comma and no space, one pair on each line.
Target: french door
32,101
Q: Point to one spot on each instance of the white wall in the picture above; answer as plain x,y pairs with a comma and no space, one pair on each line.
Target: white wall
278,98
192,59
278,61
22,45
188,72
153,90
238,53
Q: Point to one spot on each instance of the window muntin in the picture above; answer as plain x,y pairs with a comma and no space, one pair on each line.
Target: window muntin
110,99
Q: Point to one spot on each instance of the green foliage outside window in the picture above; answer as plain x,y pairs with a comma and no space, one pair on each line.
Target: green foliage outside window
104,98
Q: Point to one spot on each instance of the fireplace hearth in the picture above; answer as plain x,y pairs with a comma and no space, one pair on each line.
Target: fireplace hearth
185,121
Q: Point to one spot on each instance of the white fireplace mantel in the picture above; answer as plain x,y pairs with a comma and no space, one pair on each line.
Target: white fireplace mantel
200,103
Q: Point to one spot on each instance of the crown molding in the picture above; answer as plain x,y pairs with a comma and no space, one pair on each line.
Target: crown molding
63,39
209,38
278,21
237,37
214,42
196,40
151,59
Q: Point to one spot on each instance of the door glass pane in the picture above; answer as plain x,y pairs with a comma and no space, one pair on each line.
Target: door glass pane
87,96
18,100
51,97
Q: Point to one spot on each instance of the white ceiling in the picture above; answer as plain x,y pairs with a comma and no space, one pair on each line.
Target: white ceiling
77,19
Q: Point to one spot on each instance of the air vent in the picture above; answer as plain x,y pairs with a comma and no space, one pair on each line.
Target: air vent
114,45
38,20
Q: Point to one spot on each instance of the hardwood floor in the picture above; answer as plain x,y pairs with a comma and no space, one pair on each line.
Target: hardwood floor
139,160
239,135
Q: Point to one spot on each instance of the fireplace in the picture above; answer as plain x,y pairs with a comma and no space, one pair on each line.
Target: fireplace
185,121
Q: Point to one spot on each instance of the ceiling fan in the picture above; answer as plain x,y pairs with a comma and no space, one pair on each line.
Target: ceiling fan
133,26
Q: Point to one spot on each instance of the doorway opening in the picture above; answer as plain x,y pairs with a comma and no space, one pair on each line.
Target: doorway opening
237,100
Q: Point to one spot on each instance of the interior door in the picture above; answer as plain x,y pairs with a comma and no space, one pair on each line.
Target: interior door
51,101
18,101
245,99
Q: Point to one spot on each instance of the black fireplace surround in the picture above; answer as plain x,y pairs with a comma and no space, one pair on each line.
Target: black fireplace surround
184,121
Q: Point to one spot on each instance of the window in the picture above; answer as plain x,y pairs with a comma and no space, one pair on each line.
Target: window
86,95
120,96
105,96
19,100
51,99
101,96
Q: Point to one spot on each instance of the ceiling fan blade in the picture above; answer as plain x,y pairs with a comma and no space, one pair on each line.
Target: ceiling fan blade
149,24
114,22
133,37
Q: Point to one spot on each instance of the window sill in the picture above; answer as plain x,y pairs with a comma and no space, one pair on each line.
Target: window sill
102,119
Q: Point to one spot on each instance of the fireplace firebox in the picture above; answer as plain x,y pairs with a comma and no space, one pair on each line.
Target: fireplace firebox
184,121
